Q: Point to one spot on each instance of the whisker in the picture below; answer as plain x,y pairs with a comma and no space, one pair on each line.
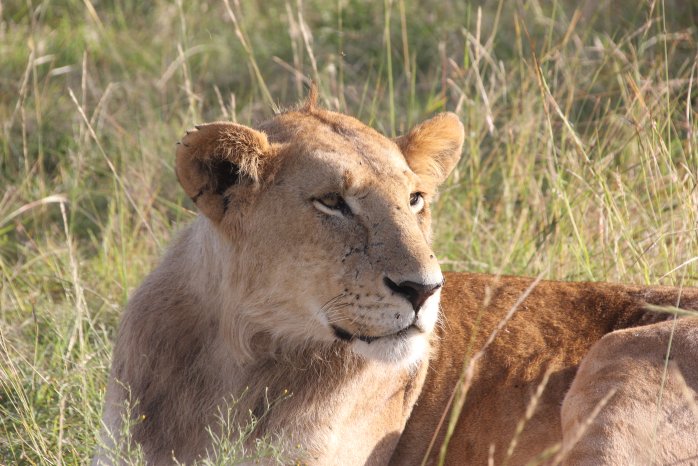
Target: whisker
332,301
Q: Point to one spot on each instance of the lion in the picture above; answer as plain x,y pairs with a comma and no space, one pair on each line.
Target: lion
308,273
309,277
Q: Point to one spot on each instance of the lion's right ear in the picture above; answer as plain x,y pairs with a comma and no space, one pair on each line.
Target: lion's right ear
432,148
215,156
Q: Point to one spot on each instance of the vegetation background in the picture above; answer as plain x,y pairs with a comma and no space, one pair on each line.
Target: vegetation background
581,157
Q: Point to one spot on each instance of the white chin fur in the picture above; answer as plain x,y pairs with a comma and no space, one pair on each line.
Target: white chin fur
404,350
408,349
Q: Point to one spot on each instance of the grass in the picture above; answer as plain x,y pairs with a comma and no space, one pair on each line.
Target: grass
581,158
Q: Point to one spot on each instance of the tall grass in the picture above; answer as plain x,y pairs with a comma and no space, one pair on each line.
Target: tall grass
581,154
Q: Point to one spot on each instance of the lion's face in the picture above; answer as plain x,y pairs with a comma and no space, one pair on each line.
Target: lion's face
330,225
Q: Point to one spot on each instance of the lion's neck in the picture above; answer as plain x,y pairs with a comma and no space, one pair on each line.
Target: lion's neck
318,397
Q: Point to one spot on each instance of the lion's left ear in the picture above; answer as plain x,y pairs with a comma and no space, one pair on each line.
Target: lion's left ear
432,148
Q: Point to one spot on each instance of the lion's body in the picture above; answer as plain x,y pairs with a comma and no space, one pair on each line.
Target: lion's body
652,418
551,331
309,273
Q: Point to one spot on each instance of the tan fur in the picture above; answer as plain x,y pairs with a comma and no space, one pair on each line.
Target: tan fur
435,137
553,330
259,295
640,423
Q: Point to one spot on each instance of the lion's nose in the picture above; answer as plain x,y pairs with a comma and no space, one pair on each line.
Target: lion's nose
415,293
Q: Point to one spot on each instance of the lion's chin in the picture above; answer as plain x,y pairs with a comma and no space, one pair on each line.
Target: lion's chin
405,348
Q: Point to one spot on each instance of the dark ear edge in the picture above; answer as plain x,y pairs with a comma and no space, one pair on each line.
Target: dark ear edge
432,148
215,156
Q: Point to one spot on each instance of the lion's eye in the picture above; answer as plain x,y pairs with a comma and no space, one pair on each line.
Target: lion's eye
416,202
332,204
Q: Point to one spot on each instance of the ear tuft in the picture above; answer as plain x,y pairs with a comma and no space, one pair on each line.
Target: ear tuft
310,103
432,148
215,156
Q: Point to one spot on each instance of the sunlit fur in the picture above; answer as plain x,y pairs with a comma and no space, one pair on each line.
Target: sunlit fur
544,331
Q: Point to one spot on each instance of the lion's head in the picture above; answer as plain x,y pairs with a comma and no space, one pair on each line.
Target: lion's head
324,227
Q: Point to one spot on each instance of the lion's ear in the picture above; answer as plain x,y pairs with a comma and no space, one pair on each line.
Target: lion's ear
215,156
433,147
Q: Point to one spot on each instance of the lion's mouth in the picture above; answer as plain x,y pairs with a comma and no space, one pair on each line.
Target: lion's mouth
347,336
